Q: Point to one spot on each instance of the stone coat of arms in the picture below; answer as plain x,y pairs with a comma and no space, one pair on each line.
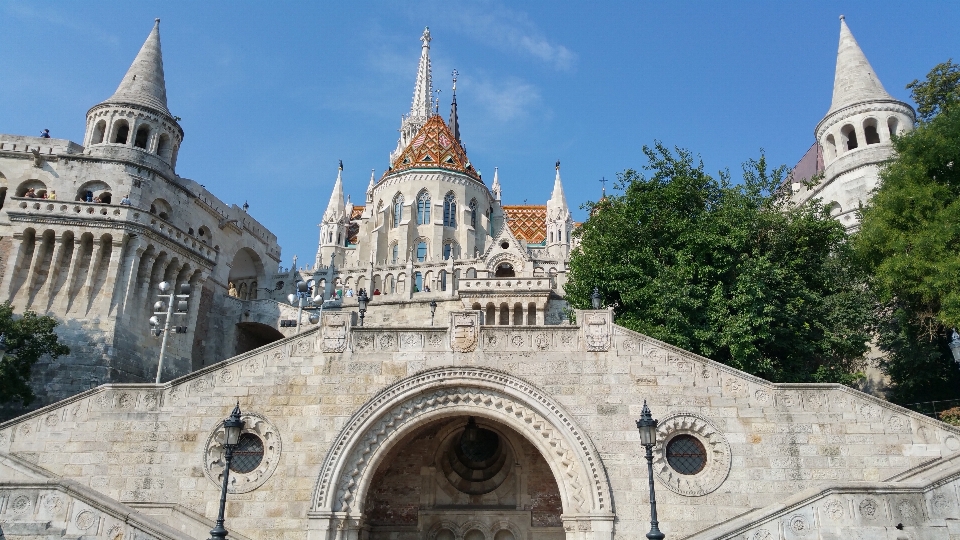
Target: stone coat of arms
465,333
597,332
334,332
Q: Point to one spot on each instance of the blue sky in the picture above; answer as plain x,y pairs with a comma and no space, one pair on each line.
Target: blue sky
273,94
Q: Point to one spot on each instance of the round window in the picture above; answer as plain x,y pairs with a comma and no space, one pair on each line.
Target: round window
248,454
686,454
504,245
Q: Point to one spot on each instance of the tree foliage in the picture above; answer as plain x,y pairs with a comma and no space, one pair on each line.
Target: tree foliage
910,240
28,338
727,271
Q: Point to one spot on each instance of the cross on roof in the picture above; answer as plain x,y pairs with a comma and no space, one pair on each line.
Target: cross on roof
603,182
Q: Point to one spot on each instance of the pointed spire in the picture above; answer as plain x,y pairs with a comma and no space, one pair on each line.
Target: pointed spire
854,81
495,187
557,198
144,83
336,208
423,90
373,180
454,123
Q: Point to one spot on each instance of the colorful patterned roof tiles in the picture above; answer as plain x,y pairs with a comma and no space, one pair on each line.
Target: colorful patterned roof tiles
527,221
434,147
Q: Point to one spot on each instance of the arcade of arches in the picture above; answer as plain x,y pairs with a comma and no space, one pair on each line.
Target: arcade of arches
464,478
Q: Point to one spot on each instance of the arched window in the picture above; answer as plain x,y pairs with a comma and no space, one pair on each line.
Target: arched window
397,210
163,146
143,135
473,213
121,130
423,208
417,282
394,253
449,250
450,210
849,136
870,134
98,132
892,125
442,278
830,148
421,251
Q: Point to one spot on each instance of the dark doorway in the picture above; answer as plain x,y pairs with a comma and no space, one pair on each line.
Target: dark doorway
505,270
251,335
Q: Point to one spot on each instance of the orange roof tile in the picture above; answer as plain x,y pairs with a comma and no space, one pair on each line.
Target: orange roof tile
527,221
357,212
434,147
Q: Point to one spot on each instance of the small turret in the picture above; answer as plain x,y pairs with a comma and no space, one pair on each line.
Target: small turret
855,135
136,116
373,182
333,227
495,187
559,219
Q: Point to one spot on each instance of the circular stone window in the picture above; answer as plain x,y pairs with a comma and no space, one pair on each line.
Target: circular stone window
504,245
686,454
248,454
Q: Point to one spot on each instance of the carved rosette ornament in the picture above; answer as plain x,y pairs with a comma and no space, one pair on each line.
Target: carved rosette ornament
213,455
718,455
466,331
334,332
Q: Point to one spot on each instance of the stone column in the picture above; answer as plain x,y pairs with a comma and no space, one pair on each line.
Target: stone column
126,285
16,255
64,301
43,297
39,249
112,281
92,270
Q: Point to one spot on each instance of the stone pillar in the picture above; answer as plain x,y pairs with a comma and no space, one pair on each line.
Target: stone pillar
126,285
39,249
84,295
64,301
112,282
43,297
9,276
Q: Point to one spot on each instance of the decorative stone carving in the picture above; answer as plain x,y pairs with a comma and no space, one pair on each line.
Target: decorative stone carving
466,331
762,534
869,509
410,340
20,504
507,398
334,332
799,525
362,341
713,474
387,342
763,397
907,509
834,509
435,340
517,340
85,520
213,456
541,341
596,329
302,348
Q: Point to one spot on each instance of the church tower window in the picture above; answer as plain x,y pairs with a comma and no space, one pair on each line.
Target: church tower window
143,135
473,213
450,210
397,210
423,208
394,253
421,251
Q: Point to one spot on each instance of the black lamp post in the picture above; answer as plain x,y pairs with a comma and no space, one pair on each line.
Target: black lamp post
648,437
362,300
3,345
232,427
433,310
595,298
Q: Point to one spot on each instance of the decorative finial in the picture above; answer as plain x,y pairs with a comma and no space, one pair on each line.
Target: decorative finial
425,38
558,164
436,101
341,165
157,20
843,17
455,75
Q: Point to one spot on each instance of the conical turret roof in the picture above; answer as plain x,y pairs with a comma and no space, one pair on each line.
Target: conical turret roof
557,198
434,147
336,208
854,81
144,83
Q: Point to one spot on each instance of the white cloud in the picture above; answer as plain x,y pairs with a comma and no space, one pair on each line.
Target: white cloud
513,32
505,100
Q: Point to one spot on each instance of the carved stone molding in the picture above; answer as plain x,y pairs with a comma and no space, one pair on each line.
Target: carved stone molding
213,455
718,455
436,393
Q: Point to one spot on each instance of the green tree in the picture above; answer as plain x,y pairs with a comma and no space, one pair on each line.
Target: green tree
27,339
910,240
731,272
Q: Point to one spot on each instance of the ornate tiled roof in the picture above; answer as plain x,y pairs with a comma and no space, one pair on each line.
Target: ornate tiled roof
434,147
353,230
357,212
527,221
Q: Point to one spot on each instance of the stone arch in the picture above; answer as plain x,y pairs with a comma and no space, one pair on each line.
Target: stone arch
121,131
99,130
94,189
143,136
37,185
161,207
382,422
871,134
246,268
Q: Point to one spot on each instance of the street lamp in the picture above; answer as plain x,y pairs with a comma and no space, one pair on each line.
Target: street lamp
232,427
595,298
3,345
362,300
647,427
165,308
954,346
433,310
300,298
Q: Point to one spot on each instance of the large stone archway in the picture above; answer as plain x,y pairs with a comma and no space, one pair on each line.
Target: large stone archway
337,511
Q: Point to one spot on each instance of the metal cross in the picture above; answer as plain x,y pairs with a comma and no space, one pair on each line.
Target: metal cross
603,183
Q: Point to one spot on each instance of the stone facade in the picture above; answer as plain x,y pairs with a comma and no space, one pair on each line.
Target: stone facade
359,427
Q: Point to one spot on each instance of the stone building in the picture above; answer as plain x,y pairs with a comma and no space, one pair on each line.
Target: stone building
472,424
853,140
71,248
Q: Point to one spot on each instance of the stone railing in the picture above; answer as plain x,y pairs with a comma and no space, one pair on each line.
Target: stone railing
45,147
107,212
518,284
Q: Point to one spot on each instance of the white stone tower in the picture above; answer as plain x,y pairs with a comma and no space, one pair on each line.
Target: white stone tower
134,123
333,227
855,135
559,220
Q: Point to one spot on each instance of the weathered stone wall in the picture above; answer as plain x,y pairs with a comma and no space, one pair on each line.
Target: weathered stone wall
768,442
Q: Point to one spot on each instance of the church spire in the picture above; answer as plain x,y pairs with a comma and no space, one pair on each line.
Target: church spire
144,83
854,81
336,208
423,90
557,198
495,187
454,124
